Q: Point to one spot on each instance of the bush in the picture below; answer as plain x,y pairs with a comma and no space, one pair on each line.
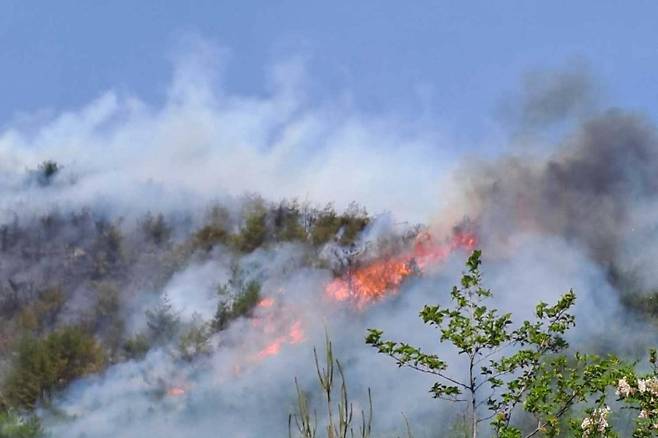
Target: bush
345,227
254,232
245,300
352,222
156,229
325,226
136,347
43,312
215,231
506,368
107,251
287,221
13,425
195,340
43,366
162,322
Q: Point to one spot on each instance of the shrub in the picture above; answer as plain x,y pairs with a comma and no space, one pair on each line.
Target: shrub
287,221
136,347
506,369
43,366
325,226
352,222
345,227
245,299
254,232
215,231
156,229
43,312
13,425
162,322
194,340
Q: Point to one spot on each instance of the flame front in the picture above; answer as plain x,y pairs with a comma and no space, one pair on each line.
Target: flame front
373,281
280,324
370,282
175,391
294,336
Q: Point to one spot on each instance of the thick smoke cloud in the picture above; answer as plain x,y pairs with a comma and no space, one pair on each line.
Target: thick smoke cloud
589,191
204,143
550,97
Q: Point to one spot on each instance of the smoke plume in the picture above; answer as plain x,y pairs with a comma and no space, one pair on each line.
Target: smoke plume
579,215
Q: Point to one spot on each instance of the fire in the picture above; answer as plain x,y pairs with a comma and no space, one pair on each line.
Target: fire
371,282
266,302
271,350
278,323
295,335
175,391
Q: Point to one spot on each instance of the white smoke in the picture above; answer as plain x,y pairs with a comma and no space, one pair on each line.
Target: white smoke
125,157
204,143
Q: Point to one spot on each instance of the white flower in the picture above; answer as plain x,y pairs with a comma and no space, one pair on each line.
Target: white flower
642,385
623,388
652,386
598,421
585,426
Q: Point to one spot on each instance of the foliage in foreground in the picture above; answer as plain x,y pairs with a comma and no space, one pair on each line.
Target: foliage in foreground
639,391
45,365
13,425
536,379
306,425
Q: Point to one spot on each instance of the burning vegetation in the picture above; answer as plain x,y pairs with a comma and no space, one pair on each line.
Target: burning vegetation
83,292
367,282
70,281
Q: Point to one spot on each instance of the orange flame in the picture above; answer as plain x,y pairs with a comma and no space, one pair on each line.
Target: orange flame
175,391
381,277
295,335
275,321
266,302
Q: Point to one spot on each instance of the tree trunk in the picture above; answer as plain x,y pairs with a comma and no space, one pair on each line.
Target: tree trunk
474,418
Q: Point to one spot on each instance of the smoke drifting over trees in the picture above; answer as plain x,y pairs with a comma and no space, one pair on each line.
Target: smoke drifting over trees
125,232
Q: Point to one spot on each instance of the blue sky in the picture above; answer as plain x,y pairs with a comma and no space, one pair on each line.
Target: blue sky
458,59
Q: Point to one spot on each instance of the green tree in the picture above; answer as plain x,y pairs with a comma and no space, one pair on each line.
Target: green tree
136,346
162,322
42,313
215,231
352,222
13,425
254,231
108,250
639,392
533,377
195,339
325,226
287,221
245,297
42,366
156,229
